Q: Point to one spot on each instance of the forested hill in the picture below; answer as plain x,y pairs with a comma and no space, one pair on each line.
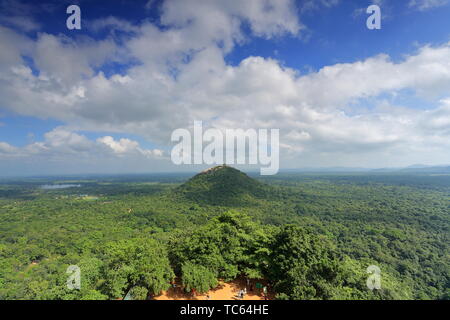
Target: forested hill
223,185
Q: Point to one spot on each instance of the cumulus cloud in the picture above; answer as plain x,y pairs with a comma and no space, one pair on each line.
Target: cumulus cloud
126,146
66,60
182,76
7,149
61,143
267,18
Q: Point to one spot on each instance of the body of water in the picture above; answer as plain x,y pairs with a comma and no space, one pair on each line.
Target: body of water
59,186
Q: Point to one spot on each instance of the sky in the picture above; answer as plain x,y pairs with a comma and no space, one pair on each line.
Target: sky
106,98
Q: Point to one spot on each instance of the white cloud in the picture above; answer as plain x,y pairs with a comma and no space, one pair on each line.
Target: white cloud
267,18
18,14
67,61
23,23
423,5
120,147
112,23
310,5
7,149
126,146
61,144
181,76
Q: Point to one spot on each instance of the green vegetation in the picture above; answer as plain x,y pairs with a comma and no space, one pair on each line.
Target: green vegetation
222,185
197,277
134,263
310,236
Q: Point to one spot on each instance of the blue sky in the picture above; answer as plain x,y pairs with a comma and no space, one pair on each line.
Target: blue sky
338,34
341,94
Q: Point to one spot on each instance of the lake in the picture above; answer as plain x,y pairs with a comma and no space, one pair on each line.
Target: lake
59,186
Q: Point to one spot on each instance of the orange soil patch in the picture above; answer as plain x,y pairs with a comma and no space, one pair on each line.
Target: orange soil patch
225,291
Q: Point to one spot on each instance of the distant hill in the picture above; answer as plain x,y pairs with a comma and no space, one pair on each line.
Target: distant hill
437,170
418,169
222,185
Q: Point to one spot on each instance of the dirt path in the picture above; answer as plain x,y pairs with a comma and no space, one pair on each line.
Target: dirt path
225,291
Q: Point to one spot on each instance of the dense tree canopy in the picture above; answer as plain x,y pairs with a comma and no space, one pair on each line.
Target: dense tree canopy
303,266
197,277
136,263
309,236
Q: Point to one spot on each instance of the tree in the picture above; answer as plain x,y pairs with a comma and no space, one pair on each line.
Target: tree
139,293
197,277
137,262
220,245
302,265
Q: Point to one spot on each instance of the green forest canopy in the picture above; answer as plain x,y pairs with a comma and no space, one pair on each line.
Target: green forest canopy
310,236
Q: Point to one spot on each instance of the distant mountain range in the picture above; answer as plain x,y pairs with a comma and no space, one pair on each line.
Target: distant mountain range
182,175
417,168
